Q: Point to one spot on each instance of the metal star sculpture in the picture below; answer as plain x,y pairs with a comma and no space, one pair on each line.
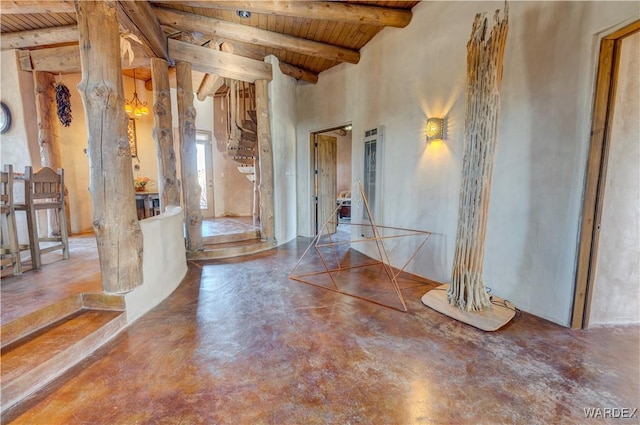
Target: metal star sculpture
339,267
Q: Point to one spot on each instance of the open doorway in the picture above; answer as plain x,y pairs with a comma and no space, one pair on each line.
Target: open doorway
205,172
608,274
331,176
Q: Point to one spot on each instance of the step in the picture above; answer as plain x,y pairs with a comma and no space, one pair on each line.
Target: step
248,138
249,126
44,317
35,360
244,160
230,250
232,237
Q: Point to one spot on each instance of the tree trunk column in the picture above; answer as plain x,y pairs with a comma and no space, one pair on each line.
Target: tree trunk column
265,158
48,133
115,220
163,135
485,53
189,157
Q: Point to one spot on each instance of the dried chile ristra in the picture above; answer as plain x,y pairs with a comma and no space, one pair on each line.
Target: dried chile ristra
63,101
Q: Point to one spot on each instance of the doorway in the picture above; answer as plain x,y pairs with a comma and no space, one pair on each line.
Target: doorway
205,172
331,176
617,51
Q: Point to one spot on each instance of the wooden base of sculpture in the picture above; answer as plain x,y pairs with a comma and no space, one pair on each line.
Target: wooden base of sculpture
488,320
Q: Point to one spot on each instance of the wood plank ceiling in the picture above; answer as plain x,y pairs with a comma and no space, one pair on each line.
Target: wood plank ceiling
307,37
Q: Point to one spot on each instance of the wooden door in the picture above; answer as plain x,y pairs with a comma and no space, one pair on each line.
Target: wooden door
325,175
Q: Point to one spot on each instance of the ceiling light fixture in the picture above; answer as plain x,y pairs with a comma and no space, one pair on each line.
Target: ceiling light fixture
244,14
135,106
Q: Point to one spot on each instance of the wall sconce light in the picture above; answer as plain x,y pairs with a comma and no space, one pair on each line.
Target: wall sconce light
435,129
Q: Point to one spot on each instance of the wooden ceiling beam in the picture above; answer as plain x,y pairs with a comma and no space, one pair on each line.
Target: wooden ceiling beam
226,65
209,85
64,59
28,7
211,82
285,68
298,73
39,37
138,18
328,10
227,30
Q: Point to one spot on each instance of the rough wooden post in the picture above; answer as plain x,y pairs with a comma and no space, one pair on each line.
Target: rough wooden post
266,162
256,191
163,135
189,157
485,52
48,133
115,220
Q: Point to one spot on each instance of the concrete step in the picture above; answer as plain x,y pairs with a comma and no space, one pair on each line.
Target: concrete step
33,322
232,237
36,359
230,250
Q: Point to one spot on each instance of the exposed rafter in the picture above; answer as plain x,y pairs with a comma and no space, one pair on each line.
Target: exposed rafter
217,28
285,68
334,11
26,7
137,17
211,82
64,59
308,37
209,85
41,37
224,64
298,73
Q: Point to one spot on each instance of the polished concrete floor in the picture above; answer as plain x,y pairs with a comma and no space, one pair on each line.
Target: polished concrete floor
227,225
240,343
58,278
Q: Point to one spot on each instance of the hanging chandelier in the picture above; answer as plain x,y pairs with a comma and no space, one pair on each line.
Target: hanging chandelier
135,107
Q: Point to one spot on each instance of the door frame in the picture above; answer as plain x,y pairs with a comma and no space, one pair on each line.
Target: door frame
603,104
208,148
312,163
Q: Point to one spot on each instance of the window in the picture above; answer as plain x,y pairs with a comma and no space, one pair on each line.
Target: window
372,171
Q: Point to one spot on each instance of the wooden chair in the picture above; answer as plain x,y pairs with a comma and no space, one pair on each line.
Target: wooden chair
10,250
44,190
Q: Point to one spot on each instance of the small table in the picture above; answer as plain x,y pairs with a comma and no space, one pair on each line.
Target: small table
150,204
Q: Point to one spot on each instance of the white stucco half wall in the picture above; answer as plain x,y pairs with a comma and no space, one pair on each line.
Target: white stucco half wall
164,262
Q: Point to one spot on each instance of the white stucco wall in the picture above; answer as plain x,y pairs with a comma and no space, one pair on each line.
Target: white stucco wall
616,291
75,161
282,114
407,75
19,145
